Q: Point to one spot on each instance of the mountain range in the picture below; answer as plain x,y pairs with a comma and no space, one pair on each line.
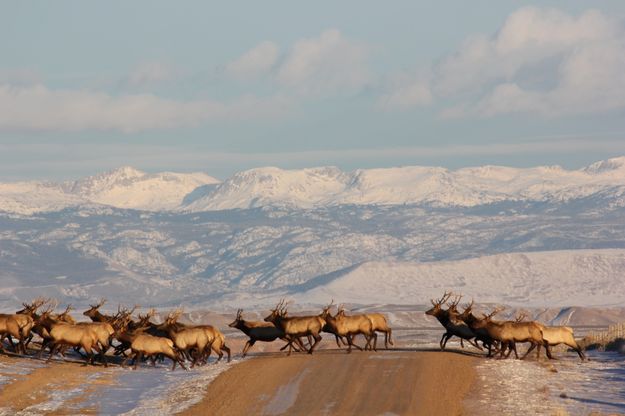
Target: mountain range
541,236
319,187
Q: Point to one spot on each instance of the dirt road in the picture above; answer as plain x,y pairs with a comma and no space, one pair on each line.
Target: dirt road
334,383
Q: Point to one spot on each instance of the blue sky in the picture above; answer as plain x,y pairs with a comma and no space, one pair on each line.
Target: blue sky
215,87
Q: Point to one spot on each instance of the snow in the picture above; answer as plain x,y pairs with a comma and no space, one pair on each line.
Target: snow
565,386
556,278
122,188
308,188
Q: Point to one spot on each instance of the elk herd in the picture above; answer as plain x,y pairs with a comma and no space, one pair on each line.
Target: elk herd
499,337
140,339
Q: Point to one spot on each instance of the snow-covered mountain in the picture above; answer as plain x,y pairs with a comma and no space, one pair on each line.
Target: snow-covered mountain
307,188
130,188
540,236
321,187
121,188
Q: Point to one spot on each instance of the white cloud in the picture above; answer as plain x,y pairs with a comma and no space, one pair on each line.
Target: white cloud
19,76
255,62
329,63
41,109
151,72
404,92
541,61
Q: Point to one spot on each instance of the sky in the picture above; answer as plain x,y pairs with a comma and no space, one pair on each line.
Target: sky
221,87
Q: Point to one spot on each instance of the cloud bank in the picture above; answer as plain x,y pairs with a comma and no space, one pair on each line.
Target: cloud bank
38,108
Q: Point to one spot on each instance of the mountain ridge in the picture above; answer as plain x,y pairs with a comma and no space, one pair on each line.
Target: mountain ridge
129,188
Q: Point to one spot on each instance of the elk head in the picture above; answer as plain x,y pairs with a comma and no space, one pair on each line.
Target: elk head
467,311
92,312
494,312
436,306
325,312
453,305
278,312
238,320
31,308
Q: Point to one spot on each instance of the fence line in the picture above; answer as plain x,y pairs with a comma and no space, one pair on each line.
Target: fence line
604,337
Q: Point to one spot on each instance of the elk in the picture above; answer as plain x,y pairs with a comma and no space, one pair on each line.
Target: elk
94,314
453,327
481,334
149,346
348,326
19,324
554,335
257,331
131,328
297,326
508,333
217,343
41,329
380,325
63,334
187,339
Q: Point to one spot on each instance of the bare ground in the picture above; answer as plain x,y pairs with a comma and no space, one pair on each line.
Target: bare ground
332,382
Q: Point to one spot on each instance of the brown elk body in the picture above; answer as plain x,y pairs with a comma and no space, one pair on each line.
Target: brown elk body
297,326
19,324
349,326
555,335
82,336
217,343
380,324
149,346
508,333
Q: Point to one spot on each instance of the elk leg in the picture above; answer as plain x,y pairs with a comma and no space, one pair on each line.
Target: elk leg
441,342
53,348
531,348
538,352
247,346
475,344
461,343
502,349
375,341
138,358
300,344
317,340
225,348
338,344
513,348
350,338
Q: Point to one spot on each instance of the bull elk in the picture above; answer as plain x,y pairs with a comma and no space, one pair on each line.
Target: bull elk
94,312
508,333
447,318
257,331
19,324
296,326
